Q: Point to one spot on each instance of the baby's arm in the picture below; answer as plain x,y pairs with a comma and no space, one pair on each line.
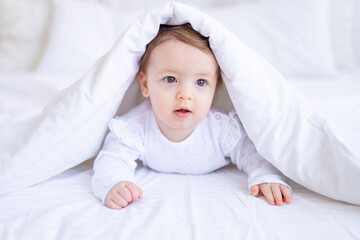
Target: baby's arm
115,164
262,176
265,178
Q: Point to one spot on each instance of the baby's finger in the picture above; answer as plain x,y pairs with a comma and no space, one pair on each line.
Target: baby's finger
124,192
255,190
111,204
266,191
275,188
133,190
119,200
140,193
286,192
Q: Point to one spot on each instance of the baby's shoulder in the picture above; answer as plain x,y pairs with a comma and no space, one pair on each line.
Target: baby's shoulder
220,117
227,127
134,120
140,111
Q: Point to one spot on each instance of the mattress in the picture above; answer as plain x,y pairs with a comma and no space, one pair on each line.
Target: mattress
175,206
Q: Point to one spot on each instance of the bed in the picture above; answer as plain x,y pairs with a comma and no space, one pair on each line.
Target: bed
175,206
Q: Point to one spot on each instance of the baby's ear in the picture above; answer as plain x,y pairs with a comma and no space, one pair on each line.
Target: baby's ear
143,84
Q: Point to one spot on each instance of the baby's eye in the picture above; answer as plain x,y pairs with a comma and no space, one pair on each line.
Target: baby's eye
201,82
170,79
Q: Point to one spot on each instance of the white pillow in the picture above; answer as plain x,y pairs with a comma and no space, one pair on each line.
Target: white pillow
283,127
292,35
81,32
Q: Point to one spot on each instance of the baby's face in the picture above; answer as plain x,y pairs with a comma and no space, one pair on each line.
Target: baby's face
180,80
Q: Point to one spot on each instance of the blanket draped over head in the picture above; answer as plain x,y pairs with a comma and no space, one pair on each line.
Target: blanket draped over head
282,125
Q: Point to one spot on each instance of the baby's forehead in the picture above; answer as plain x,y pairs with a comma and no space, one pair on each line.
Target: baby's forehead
181,59
169,45
201,44
174,49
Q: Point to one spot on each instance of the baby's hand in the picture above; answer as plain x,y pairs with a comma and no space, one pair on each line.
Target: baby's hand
121,194
274,193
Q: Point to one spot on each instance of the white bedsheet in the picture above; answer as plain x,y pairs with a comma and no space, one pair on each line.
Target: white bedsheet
211,206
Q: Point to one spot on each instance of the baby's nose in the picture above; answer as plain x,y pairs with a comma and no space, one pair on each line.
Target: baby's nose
184,94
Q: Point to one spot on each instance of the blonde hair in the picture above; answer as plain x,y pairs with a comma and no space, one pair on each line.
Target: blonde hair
184,33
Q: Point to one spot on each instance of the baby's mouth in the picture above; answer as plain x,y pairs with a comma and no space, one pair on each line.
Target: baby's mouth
182,112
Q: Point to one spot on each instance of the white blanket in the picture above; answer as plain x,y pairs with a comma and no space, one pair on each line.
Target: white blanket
283,127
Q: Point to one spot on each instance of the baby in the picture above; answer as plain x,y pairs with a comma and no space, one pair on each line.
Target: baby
177,130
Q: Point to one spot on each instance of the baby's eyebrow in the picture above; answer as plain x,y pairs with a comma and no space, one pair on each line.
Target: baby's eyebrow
168,70
179,73
206,74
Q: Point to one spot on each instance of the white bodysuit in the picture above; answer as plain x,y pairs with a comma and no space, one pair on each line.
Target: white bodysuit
217,140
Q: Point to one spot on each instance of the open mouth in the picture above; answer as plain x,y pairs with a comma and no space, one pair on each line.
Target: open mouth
182,112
